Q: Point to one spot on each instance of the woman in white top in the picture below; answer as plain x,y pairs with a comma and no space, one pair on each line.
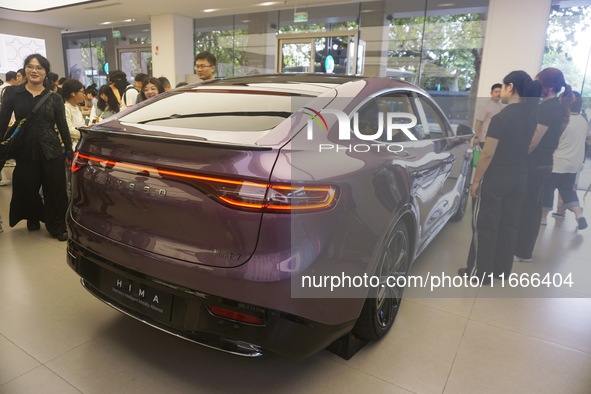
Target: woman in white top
73,94
567,162
106,104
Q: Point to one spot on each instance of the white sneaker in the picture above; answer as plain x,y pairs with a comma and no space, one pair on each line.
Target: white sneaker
543,222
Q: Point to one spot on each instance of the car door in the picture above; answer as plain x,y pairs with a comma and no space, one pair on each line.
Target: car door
421,155
439,182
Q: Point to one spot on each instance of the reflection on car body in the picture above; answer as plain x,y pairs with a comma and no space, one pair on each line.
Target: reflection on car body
199,211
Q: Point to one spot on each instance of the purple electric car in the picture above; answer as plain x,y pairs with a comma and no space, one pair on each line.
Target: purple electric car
243,214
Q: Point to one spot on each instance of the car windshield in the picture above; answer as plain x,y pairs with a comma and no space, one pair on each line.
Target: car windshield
222,110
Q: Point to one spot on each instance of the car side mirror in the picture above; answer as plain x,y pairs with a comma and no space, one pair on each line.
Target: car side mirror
464,130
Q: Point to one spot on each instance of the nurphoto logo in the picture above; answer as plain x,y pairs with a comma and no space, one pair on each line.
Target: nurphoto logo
392,120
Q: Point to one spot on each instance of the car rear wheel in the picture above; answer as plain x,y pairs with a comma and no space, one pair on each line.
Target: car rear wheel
464,197
383,302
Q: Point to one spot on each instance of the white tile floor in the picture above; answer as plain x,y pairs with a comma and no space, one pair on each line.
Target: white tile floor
56,338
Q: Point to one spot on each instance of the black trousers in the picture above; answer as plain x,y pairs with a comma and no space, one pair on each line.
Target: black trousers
495,223
565,183
27,204
531,212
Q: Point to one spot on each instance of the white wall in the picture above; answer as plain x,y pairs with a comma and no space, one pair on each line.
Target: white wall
514,40
172,47
51,35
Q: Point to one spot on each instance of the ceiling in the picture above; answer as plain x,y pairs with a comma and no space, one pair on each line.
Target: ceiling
89,16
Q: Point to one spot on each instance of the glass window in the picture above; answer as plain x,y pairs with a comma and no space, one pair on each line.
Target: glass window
242,44
434,124
373,117
223,111
320,19
86,57
439,49
401,105
568,45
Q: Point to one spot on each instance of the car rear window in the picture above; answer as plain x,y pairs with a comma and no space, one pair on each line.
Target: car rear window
222,110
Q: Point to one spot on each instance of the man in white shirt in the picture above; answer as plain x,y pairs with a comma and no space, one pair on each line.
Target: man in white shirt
485,113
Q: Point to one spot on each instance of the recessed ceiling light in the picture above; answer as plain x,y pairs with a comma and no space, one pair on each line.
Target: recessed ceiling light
446,4
210,10
40,5
112,22
268,3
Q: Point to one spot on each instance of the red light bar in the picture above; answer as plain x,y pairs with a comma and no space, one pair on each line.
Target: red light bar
241,194
233,315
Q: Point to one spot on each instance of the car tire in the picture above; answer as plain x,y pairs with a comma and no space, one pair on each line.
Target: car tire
382,304
459,214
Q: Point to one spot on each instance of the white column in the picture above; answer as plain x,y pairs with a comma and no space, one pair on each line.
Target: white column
514,40
172,47
374,31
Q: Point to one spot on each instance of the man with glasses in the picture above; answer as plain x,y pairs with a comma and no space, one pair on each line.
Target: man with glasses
205,64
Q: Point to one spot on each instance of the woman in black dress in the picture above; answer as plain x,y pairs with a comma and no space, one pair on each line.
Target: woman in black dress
40,160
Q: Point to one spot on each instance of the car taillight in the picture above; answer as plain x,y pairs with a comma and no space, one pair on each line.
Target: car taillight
233,315
78,162
275,197
239,194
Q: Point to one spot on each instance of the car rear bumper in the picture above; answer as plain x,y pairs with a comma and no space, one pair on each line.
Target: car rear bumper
186,312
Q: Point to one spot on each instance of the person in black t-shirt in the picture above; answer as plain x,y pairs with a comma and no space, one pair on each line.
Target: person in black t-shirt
553,116
500,180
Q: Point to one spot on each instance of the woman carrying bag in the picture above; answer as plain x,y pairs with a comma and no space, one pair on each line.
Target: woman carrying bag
40,156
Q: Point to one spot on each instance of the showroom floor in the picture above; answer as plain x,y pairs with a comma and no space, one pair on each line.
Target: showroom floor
57,338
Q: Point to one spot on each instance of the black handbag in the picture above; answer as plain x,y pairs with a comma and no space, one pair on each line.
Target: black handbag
13,136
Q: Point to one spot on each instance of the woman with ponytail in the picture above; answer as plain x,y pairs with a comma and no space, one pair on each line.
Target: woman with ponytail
553,117
500,180
40,159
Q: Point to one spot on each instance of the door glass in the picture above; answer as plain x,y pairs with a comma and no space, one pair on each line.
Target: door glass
437,126
146,63
296,57
400,104
334,55
135,61
129,63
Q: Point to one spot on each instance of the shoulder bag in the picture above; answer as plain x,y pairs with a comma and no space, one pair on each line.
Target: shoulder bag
10,146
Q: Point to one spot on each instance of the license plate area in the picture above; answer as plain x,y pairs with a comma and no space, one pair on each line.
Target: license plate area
151,302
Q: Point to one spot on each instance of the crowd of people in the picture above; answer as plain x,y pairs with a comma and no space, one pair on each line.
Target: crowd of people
531,146
54,109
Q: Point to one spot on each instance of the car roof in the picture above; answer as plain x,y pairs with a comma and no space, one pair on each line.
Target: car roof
298,83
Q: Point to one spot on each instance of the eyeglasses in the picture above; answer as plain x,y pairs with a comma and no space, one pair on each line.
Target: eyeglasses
202,66
36,68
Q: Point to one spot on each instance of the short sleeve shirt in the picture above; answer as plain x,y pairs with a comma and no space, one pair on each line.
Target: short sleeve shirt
550,114
513,127
485,114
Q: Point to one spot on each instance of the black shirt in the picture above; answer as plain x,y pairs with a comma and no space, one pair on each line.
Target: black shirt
550,114
40,137
513,127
